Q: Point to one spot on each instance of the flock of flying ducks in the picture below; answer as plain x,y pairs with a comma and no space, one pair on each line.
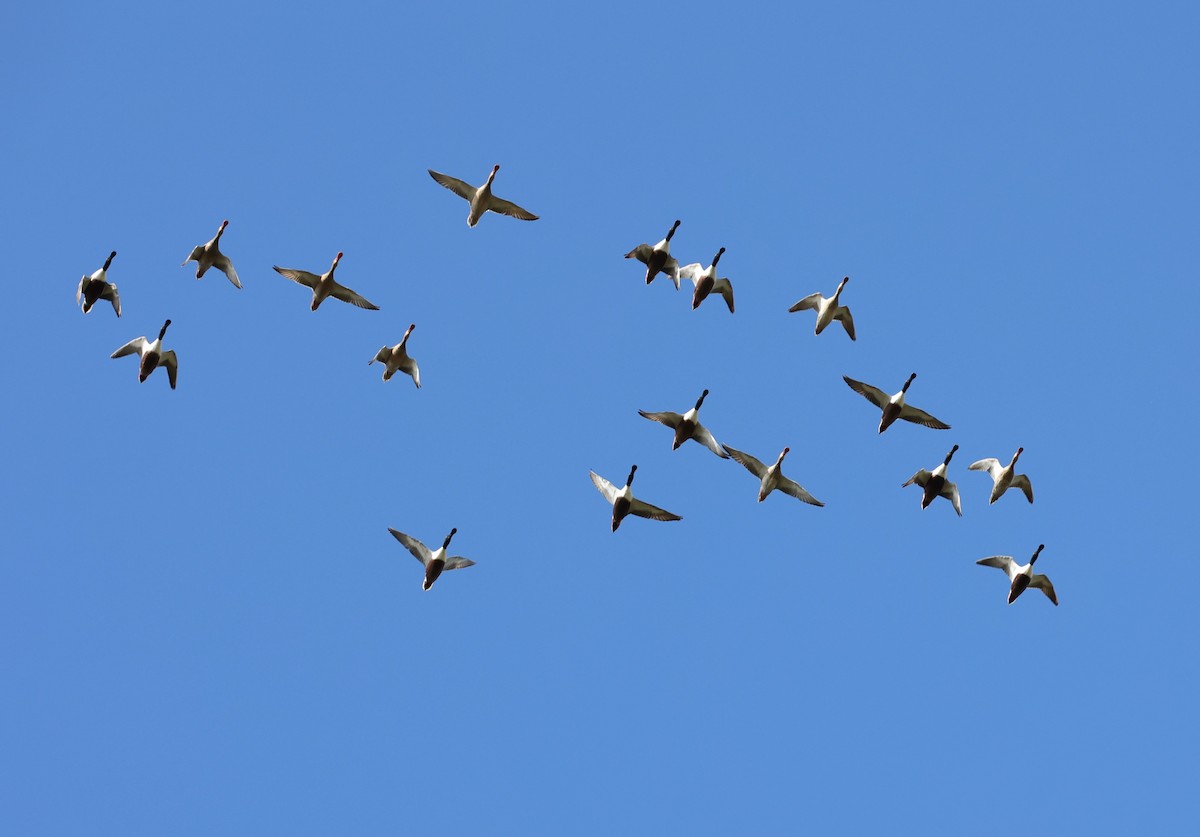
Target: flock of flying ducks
657,259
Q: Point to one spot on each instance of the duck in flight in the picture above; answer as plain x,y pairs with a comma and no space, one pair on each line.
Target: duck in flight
396,358
435,562
210,255
687,426
1022,575
658,258
1004,477
96,287
936,485
828,309
324,286
624,503
707,282
893,406
151,356
772,478
481,199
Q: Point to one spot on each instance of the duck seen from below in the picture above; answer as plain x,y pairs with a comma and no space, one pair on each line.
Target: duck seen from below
687,426
706,281
658,258
936,485
96,287
1022,575
772,478
396,358
481,199
828,309
324,286
209,255
152,356
893,406
434,562
1004,476
624,503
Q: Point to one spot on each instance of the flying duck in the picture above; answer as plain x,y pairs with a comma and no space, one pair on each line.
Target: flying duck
96,287
481,199
1022,575
687,426
624,503
152,356
434,562
893,406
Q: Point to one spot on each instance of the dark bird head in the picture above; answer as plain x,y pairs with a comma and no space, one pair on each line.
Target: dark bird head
717,257
950,454
164,329
671,231
700,400
1036,553
108,261
908,383
446,542
629,479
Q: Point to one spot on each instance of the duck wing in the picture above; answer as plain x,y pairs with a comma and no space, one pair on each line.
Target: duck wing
843,314
1042,583
671,420
346,295
418,549
722,287
992,466
950,492
641,253
221,262
510,209
133,347
921,417
409,367
811,301
671,269
1022,482
110,293
746,461
650,512
383,355
464,190
920,478
457,562
1002,562
169,360
792,488
873,394
604,487
303,277
704,437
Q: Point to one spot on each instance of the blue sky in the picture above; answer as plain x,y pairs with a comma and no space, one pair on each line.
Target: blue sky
208,627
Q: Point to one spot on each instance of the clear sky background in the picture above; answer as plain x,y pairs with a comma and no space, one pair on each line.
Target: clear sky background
206,626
